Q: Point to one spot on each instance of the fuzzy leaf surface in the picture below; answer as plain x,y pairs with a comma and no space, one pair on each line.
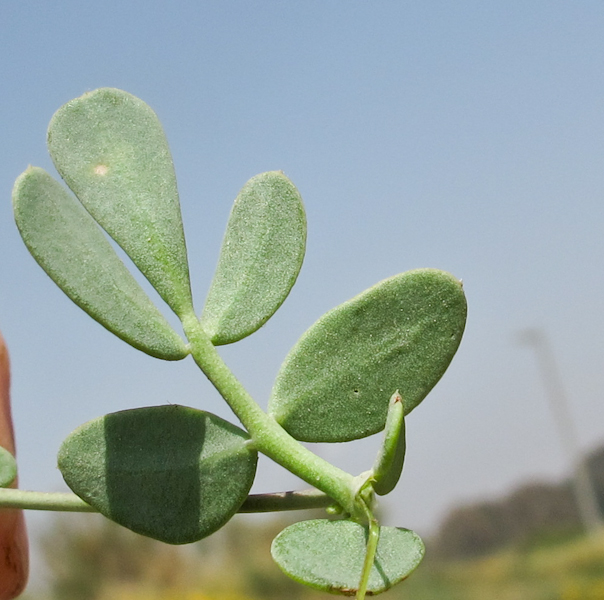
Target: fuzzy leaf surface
8,468
401,334
172,473
111,150
329,555
68,244
261,256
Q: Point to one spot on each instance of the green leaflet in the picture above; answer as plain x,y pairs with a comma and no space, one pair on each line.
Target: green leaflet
329,555
260,259
401,334
172,473
389,462
111,150
8,468
74,252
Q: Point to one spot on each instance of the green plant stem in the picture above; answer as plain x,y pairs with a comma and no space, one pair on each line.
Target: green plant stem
267,435
281,501
373,537
67,502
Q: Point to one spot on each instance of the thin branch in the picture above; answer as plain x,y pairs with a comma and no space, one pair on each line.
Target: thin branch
279,501
67,502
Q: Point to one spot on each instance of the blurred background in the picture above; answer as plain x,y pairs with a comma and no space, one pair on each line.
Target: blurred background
464,136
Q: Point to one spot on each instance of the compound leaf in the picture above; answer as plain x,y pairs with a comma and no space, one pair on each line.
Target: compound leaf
172,473
8,468
74,252
111,150
401,334
260,259
329,555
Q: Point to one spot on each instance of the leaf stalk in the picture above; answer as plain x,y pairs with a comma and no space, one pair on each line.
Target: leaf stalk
267,435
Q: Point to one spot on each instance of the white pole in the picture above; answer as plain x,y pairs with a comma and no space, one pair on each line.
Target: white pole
583,487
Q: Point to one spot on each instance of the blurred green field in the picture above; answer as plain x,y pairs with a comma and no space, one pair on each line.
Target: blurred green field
569,567
90,558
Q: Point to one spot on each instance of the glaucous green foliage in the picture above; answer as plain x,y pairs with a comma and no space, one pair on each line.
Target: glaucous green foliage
399,335
69,245
8,468
178,474
261,257
123,464
329,555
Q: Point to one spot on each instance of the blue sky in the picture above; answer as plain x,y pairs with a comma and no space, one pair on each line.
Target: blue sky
465,136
